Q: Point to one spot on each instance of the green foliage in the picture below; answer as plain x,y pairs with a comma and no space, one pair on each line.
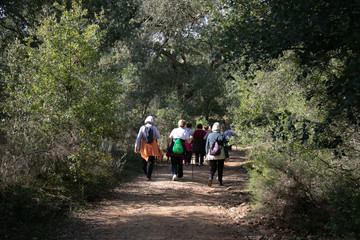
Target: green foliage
300,112
290,183
297,165
28,213
61,111
270,28
66,113
202,121
346,201
170,70
118,15
285,73
16,17
173,54
167,119
90,172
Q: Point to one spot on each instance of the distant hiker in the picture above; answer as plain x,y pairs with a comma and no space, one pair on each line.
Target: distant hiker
147,139
216,161
228,134
189,146
206,128
176,149
199,141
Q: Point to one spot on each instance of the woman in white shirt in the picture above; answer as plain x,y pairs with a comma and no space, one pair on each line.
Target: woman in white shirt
177,159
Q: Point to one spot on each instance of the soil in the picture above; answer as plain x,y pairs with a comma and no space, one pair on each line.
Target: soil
184,209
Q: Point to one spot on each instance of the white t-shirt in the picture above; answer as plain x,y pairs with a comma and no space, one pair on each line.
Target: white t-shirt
179,133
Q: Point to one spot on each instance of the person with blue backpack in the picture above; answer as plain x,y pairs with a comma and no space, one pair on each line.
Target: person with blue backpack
216,153
146,141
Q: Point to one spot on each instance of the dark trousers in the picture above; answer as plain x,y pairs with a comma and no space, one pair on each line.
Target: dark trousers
148,166
201,155
177,166
219,165
188,155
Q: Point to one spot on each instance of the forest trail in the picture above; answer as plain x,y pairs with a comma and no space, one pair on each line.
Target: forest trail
165,209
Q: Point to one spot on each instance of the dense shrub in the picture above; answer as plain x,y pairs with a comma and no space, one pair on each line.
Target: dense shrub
59,121
301,160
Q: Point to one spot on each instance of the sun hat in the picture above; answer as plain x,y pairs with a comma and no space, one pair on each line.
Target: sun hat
149,119
216,127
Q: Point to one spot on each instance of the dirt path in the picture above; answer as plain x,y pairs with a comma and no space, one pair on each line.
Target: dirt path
165,209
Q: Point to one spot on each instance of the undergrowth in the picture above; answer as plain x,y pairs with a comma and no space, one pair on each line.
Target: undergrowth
35,212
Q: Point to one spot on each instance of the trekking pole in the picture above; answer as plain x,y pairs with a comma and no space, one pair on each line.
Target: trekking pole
192,169
156,159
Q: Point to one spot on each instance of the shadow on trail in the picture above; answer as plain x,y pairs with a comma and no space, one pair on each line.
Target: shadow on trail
153,226
165,209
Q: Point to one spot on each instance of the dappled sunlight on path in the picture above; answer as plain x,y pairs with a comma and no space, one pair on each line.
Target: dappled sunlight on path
165,209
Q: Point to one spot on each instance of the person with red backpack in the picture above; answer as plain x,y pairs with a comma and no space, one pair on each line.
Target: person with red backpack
147,142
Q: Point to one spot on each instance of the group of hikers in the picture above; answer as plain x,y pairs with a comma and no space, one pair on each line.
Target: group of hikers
210,145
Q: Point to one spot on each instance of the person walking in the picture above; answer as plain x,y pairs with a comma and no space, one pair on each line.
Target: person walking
147,142
206,128
228,134
177,158
189,145
199,141
216,161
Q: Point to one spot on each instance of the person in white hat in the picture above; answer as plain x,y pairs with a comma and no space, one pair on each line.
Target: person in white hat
216,161
147,142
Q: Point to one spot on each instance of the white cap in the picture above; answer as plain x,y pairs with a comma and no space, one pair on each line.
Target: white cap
216,127
149,119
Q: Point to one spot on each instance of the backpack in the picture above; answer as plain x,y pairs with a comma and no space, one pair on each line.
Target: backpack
215,149
178,147
150,135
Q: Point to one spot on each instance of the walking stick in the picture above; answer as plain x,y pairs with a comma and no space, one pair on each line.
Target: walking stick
156,159
192,169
